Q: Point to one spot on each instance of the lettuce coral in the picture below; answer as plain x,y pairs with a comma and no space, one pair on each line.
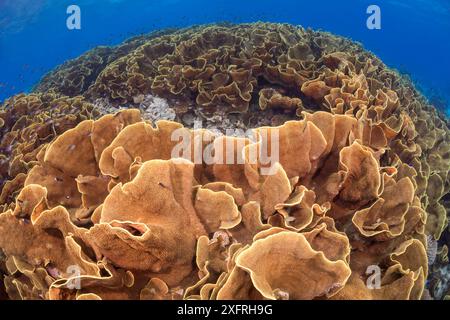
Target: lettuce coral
27,124
361,184
133,219
75,76
281,68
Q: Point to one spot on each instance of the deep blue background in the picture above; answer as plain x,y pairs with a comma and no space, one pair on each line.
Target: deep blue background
34,39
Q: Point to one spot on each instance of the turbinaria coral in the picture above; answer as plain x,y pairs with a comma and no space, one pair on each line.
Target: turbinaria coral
362,178
131,217
27,124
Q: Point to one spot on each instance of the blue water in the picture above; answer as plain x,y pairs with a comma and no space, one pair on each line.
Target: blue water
414,37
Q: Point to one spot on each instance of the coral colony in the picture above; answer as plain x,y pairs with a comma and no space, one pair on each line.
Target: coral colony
96,206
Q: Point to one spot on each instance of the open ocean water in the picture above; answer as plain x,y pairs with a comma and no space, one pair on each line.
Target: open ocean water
414,35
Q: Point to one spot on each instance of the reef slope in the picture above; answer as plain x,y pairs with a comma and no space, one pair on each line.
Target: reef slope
87,178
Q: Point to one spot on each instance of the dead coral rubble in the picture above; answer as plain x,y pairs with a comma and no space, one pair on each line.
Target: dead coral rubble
132,219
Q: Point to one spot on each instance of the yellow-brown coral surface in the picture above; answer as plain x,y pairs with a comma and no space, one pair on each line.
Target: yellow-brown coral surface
27,123
107,197
103,211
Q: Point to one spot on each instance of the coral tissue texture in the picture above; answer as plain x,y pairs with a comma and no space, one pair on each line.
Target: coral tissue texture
107,197
94,206
27,123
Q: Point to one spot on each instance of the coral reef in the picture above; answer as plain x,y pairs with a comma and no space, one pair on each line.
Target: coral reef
27,123
133,218
75,76
361,186
233,68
